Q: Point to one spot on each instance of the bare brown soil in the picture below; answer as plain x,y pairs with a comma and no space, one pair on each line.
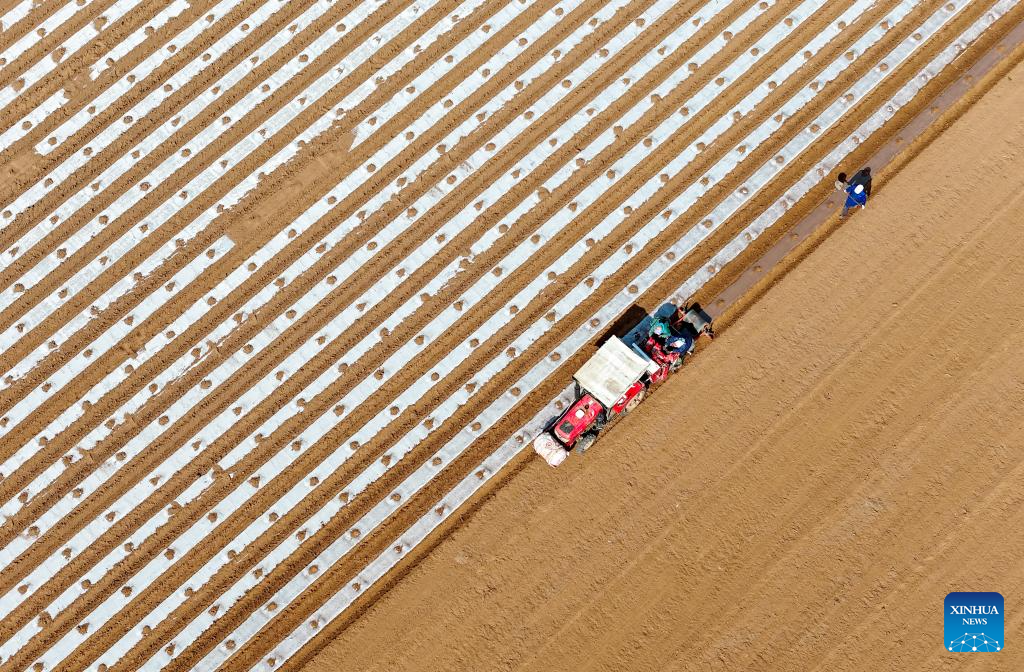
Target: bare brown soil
804,495
281,197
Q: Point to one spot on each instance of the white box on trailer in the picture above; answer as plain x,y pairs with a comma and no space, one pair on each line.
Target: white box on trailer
609,373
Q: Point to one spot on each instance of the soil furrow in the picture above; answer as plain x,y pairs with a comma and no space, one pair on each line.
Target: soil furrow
469,24
131,136
166,232
270,190
798,121
38,13
465,26
162,114
473,317
313,599
275,313
158,194
313,409
407,600
83,91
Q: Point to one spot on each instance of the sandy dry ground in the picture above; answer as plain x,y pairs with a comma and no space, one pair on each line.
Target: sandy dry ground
276,276
804,495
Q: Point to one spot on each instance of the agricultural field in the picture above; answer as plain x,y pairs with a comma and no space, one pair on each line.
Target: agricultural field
802,495
286,286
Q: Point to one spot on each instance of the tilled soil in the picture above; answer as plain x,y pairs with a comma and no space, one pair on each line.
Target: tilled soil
803,496
165,498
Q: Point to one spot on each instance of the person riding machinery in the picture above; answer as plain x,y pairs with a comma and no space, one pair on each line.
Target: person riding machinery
670,340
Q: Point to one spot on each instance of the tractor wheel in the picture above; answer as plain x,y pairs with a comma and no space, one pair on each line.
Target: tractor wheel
634,402
584,442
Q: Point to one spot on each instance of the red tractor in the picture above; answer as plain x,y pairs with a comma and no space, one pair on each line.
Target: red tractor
616,379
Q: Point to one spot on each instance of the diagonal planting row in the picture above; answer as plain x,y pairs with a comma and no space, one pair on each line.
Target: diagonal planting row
69,47
211,213
320,472
143,77
221,205
120,248
172,164
166,140
15,14
62,18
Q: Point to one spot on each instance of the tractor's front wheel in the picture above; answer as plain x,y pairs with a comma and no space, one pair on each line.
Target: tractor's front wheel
584,443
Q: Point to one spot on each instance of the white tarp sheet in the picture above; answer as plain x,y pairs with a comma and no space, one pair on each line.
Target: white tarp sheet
609,373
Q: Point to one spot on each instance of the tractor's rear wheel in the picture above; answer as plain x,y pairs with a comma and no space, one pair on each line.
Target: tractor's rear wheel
635,401
584,443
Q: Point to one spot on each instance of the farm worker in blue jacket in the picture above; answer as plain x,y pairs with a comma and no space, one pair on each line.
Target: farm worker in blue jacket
855,197
862,176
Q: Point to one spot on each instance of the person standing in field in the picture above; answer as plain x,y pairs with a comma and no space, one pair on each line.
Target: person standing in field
856,196
841,182
863,177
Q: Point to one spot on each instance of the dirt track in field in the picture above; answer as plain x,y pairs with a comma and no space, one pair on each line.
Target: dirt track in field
804,496
81,445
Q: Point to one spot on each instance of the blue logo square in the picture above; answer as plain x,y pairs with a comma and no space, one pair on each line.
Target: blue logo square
974,622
